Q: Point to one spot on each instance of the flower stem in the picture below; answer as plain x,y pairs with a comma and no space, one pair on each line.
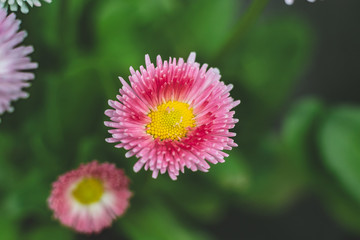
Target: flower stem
63,20
243,24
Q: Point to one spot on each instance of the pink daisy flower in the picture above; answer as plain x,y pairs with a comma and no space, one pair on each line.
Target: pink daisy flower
90,197
172,116
13,60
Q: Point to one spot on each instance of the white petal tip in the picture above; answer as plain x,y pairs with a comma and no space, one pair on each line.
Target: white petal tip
191,58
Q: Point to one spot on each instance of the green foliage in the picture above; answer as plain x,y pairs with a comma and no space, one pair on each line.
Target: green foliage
7,170
201,28
298,131
8,229
339,142
50,232
154,221
344,208
233,176
280,48
276,180
205,207
118,36
28,196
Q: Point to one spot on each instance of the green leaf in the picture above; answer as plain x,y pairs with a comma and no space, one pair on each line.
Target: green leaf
86,149
298,129
271,57
8,229
343,208
8,172
153,221
205,206
118,36
233,175
45,32
275,181
151,11
70,99
184,194
28,197
339,142
202,26
50,232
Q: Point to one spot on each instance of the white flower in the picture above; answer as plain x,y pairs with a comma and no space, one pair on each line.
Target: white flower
22,4
290,2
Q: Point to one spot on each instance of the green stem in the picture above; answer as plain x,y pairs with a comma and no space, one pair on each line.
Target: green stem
63,23
244,23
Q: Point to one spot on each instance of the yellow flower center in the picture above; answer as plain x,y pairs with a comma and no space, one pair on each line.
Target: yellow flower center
88,190
171,120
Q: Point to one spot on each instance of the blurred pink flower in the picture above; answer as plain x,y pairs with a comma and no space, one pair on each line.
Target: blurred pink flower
13,60
174,115
90,197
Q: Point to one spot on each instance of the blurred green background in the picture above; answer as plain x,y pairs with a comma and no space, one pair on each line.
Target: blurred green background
296,172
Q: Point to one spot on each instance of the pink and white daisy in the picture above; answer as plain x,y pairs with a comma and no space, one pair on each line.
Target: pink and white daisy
172,116
90,197
13,60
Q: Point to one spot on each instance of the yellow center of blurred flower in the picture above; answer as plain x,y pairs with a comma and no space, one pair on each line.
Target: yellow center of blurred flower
171,120
88,190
